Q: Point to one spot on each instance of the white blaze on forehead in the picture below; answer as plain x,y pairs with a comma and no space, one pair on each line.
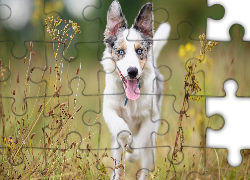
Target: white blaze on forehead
131,58
132,35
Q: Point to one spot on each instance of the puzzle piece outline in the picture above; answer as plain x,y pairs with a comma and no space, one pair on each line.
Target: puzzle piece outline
115,94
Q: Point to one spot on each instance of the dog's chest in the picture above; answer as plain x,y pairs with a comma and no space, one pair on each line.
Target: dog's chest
135,112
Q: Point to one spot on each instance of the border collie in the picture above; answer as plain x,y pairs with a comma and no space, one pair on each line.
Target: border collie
133,86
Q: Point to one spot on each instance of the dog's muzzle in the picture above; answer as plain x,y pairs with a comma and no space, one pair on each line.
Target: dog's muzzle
132,72
131,85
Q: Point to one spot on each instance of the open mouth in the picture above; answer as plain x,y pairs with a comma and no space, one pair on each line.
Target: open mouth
131,87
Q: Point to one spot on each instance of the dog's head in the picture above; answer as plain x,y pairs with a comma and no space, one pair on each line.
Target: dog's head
130,56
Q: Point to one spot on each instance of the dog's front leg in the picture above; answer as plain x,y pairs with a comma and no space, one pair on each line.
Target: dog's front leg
118,128
116,156
142,147
120,134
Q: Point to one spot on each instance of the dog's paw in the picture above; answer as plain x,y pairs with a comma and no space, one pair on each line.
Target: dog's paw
134,156
125,138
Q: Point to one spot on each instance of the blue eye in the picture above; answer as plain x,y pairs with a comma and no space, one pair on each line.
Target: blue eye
139,51
121,52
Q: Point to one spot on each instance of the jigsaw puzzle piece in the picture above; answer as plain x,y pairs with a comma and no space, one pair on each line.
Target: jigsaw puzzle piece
89,131
94,85
226,62
88,121
202,163
192,159
86,110
184,8
90,38
188,129
155,171
163,10
230,18
21,21
93,164
125,169
57,72
216,166
213,107
15,77
53,74
176,72
95,16
71,111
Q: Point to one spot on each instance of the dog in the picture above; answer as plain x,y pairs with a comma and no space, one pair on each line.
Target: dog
129,61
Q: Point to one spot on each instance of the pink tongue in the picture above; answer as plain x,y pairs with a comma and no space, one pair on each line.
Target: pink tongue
132,91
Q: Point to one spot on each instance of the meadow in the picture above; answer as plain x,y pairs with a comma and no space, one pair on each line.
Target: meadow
51,107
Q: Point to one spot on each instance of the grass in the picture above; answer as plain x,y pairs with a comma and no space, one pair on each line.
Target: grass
192,88
49,136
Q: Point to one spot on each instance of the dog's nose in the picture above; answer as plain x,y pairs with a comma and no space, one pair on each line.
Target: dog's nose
132,72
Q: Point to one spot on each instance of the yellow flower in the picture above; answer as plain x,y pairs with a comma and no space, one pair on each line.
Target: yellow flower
188,47
181,52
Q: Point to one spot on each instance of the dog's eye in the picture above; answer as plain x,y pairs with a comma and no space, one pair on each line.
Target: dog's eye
121,52
139,51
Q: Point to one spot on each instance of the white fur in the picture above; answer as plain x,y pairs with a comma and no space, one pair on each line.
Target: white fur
129,59
160,38
137,117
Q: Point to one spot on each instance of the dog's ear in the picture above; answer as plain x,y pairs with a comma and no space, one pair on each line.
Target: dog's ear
144,20
115,20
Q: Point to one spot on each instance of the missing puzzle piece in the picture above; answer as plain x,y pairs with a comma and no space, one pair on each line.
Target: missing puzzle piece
226,138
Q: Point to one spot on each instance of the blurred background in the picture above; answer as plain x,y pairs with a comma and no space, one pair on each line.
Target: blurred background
44,84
